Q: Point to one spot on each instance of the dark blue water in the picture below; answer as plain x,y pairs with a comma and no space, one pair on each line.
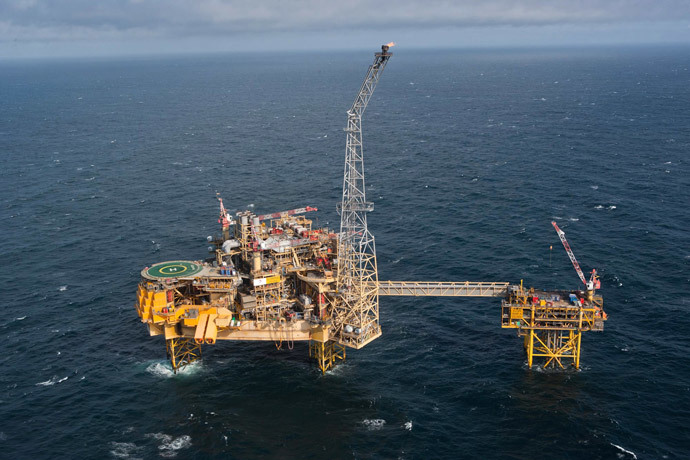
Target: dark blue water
109,166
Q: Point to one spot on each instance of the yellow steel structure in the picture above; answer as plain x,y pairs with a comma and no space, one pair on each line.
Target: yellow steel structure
326,354
555,346
182,352
551,323
275,278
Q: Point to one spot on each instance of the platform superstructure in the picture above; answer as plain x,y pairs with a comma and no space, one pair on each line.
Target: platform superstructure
276,277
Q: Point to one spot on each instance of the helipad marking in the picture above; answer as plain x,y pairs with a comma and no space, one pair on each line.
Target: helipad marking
173,269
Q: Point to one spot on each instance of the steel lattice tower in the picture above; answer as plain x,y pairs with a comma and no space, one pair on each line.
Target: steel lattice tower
356,317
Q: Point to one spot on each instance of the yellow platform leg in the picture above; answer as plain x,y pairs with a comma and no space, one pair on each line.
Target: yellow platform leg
326,353
557,347
530,347
577,350
182,351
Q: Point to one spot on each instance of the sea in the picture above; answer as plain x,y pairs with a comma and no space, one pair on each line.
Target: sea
110,165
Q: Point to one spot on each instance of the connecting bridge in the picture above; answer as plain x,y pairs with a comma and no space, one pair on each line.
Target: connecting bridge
442,289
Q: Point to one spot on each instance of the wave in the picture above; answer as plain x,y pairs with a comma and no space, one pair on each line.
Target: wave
169,446
624,450
52,381
164,370
374,424
124,450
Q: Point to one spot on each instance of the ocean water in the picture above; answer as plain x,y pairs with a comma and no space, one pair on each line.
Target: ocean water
110,165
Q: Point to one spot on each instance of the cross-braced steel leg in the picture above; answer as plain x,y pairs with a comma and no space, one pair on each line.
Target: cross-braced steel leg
182,352
326,353
557,347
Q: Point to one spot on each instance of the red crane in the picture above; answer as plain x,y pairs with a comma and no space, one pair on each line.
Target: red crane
225,220
593,282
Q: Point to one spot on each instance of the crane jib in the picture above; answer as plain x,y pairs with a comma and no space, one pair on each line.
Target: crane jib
561,235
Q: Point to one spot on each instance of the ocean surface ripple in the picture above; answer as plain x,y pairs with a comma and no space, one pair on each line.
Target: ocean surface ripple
109,166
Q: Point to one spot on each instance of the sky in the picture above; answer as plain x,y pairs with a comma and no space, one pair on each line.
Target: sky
70,28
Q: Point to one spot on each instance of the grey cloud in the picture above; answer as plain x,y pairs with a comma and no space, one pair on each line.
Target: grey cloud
110,19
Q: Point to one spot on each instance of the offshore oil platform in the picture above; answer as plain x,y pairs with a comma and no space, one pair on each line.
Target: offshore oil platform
275,277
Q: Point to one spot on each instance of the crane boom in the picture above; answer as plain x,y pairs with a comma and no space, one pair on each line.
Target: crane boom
224,219
561,235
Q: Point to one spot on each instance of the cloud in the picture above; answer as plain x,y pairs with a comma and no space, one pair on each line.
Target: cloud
55,20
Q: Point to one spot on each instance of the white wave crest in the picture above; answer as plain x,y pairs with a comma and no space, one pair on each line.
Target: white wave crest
169,446
337,370
374,424
52,381
124,450
624,450
62,288
164,370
